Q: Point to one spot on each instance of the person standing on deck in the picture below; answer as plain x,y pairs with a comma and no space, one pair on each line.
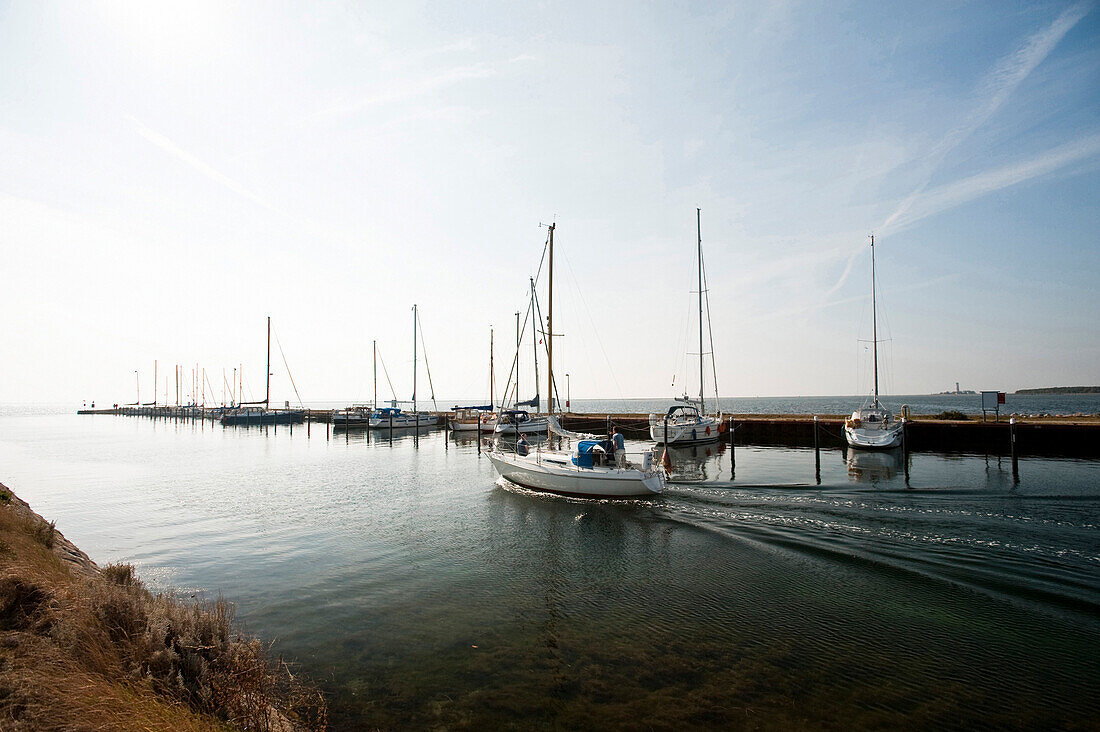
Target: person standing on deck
620,447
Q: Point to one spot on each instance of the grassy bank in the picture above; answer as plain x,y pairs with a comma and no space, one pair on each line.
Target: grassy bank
84,648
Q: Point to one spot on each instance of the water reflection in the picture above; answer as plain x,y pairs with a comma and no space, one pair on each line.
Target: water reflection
696,463
873,466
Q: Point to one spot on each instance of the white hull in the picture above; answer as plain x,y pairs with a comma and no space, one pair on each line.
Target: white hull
530,427
684,433
472,426
873,438
405,420
554,472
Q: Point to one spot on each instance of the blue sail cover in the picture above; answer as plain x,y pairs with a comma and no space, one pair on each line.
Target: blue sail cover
532,403
484,408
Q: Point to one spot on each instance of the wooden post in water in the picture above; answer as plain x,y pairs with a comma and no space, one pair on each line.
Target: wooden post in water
1012,443
905,445
733,454
391,428
308,422
817,454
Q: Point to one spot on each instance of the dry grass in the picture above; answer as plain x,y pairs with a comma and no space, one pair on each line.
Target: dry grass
102,652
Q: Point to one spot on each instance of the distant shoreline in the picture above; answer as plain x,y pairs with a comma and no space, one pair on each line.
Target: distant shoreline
1061,390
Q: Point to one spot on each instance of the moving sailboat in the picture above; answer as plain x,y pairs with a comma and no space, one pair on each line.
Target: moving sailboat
250,413
873,427
687,422
581,471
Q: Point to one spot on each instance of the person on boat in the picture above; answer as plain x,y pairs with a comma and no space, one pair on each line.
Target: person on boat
522,448
619,444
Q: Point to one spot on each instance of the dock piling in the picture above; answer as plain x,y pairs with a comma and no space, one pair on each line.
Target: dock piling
1012,443
817,453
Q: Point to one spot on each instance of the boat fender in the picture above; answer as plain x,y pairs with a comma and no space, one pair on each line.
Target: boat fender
708,430
693,434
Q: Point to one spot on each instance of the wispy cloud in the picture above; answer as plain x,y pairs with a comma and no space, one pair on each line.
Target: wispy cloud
954,194
208,170
997,87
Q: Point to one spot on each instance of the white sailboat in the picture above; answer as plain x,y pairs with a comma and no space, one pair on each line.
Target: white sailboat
392,416
358,415
687,422
873,427
481,418
517,420
578,472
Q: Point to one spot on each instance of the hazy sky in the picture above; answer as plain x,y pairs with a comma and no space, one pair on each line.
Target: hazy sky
174,173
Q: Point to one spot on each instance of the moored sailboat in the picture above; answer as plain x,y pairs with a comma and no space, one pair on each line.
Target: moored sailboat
687,422
873,427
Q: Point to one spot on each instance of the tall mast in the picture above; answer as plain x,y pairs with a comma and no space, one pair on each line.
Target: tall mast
267,388
535,346
491,377
874,316
550,333
374,347
699,232
519,339
154,382
414,359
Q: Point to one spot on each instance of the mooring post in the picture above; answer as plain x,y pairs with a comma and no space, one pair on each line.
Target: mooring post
309,422
391,428
817,453
1012,442
905,445
733,455
328,426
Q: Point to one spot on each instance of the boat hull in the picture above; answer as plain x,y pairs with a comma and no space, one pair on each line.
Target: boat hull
292,416
693,433
472,426
873,439
404,420
530,427
558,475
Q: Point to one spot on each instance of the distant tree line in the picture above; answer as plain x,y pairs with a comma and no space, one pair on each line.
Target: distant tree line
1062,390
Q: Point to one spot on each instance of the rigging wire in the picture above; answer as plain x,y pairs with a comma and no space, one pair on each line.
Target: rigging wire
287,367
592,323
387,373
428,368
710,332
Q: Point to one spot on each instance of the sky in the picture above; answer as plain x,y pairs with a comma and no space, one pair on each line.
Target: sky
175,173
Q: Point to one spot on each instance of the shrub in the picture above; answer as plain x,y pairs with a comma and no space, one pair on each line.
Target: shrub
952,414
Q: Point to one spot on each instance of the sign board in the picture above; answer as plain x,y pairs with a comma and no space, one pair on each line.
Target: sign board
991,401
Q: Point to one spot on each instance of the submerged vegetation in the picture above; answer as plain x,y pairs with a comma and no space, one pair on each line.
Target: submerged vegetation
82,648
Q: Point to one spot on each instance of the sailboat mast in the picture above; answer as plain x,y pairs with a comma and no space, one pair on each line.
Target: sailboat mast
874,316
519,340
699,233
535,347
491,377
267,388
154,383
374,348
550,333
414,358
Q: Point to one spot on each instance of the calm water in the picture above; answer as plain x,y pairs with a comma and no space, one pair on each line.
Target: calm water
420,592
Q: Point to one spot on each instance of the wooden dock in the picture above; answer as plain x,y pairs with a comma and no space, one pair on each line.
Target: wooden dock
1047,437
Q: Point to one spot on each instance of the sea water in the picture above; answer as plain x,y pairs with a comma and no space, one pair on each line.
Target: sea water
418,589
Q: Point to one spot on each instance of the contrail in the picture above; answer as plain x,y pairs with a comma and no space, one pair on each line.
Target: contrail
997,88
